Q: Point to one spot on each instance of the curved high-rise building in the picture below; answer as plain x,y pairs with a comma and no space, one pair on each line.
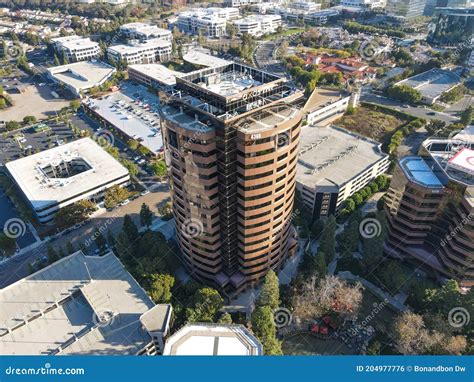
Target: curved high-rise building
430,208
231,137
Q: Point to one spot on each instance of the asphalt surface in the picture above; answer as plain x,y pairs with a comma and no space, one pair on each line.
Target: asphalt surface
420,112
17,267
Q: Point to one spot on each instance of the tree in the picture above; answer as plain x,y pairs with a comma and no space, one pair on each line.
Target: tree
146,216
159,168
115,195
100,240
205,304
467,115
270,292
330,294
349,238
133,144
231,30
225,318
129,228
263,325
7,245
52,255
160,287
110,238
327,243
411,336
29,120
75,104
74,213
404,93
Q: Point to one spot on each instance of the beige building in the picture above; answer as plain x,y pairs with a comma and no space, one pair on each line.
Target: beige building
231,141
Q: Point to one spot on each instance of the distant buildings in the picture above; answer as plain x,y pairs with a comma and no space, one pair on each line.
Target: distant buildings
351,68
364,4
405,8
258,25
240,3
147,52
430,208
210,22
76,48
63,175
213,339
144,32
453,26
432,84
80,77
333,164
81,305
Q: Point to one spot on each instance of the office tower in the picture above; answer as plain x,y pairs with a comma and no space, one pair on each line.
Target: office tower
406,8
430,208
231,138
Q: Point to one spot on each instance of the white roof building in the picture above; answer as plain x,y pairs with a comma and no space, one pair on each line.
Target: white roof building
257,25
144,31
147,52
76,48
213,339
201,59
80,77
81,305
65,174
210,22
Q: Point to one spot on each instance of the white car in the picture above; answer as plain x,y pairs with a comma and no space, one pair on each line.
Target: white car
125,202
146,192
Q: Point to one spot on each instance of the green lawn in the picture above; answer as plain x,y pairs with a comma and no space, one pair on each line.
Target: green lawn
286,32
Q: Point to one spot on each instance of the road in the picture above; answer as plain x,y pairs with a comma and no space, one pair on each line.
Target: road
17,267
264,58
420,112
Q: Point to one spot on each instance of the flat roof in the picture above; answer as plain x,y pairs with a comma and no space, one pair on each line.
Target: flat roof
198,58
212,339
43,190
83,74
136,48
331,156
157,72
463,160
432,83
419,172
113,108
325,97
85,305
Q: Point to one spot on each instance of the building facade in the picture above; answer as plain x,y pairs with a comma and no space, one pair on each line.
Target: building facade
430,210
144,32
148,52
258,25
406,8
76,48
210,22
231,142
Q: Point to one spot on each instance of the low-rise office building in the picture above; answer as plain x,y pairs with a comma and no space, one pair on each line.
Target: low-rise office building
210,22
329,104
81,305
80,77
144,32
63,175
432,84
258,25
334,164
147,52
76,48
405,8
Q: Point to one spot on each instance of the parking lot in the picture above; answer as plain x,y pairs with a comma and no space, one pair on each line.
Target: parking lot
32,95
27,141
